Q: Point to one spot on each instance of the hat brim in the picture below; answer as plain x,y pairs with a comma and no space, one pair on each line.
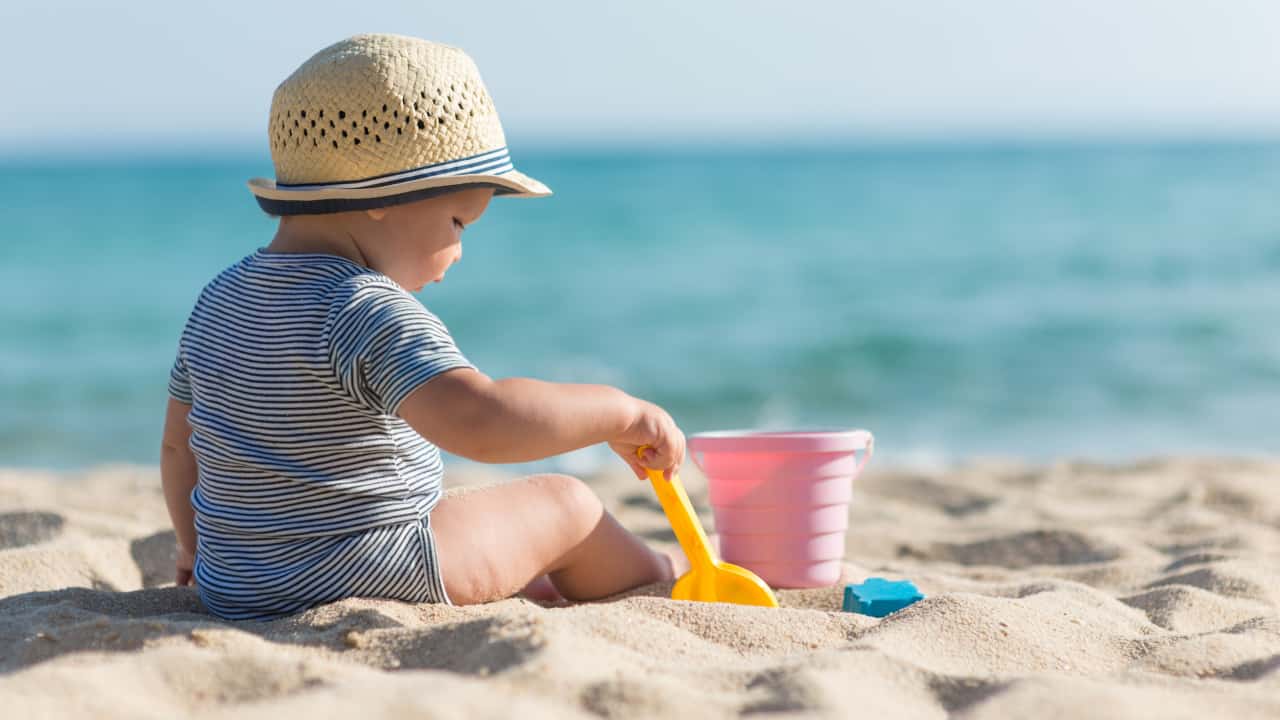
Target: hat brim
278,200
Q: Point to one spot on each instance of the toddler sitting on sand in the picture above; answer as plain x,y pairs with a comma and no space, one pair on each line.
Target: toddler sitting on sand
311,391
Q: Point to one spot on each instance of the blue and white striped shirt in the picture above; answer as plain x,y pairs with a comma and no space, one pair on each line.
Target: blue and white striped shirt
295,366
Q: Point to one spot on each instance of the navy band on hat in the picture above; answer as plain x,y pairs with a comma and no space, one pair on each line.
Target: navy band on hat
336,205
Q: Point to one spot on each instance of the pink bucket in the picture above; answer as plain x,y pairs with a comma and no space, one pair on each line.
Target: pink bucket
781,499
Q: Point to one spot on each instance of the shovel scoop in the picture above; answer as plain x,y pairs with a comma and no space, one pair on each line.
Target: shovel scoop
709,579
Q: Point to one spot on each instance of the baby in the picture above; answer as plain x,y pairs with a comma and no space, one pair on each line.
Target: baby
312,391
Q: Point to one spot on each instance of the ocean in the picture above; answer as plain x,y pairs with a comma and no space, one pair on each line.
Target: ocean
1108,301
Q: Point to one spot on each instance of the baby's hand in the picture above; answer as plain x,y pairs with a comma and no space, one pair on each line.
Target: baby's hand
651,426
185,564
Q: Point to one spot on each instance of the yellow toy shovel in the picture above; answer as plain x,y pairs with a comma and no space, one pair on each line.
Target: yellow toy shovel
710,579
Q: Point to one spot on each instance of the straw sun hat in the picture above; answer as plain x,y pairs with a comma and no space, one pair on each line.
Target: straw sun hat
378,120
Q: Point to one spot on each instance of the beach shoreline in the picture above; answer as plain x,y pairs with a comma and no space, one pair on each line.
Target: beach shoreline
1147,588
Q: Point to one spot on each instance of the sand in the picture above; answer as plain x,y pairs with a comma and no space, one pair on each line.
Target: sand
1068,590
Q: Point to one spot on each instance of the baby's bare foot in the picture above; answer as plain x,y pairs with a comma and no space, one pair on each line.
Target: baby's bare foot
679,563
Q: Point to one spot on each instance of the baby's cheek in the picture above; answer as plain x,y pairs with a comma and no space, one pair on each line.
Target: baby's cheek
447,257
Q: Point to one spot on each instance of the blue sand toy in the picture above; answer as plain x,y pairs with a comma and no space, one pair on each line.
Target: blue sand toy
878,597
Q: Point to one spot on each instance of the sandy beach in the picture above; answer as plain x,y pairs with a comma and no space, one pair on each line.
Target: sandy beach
1068,590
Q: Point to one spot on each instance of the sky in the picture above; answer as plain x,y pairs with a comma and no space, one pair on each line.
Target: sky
190,75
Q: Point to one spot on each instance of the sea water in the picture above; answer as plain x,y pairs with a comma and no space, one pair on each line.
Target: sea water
1106,301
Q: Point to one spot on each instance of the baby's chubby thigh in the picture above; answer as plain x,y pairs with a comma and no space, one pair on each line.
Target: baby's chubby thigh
492,541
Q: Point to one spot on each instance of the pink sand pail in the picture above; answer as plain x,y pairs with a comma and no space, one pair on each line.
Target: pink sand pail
781,499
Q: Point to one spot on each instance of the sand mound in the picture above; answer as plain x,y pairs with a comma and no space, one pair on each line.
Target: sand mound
1074,590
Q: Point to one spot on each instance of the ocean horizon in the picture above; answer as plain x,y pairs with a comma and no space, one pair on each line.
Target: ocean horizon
1092,299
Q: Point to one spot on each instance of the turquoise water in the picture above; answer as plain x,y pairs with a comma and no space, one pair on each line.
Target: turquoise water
1106,301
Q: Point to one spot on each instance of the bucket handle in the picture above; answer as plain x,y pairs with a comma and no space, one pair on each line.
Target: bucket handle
868,449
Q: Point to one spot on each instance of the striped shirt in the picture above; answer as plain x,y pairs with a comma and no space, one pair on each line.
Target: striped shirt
310,487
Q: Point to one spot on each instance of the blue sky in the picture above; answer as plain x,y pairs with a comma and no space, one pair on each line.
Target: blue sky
189,75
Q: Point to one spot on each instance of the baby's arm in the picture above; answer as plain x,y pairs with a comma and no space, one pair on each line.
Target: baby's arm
178,476
519,420
495,541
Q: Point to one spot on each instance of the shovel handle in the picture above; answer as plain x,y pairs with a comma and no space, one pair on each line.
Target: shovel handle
683,519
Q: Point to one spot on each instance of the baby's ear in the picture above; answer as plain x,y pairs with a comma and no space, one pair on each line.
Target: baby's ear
376,214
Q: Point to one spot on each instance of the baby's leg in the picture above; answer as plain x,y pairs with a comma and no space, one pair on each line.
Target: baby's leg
492,542
542,590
